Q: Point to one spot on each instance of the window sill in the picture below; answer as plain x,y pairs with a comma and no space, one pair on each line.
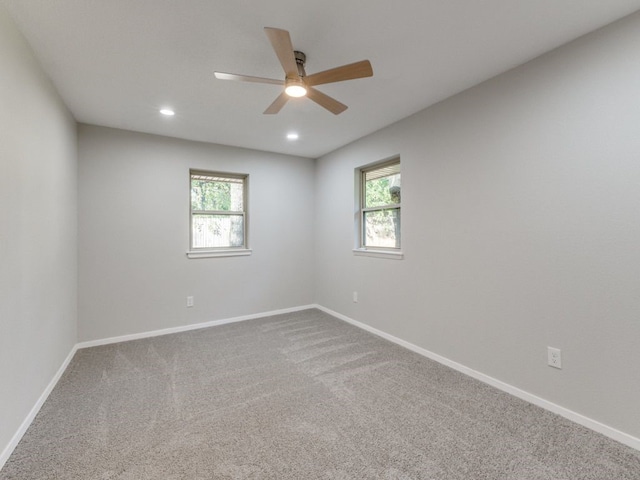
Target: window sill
367,252
240,252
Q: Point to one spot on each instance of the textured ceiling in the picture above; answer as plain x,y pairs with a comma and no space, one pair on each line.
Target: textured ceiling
116,62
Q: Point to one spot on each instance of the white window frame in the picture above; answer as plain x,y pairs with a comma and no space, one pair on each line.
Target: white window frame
374,251
226,251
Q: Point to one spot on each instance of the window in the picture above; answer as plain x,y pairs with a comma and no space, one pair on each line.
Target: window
218,216
379,218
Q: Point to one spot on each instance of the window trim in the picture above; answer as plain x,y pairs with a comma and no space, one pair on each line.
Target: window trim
361,249
227,251
236,252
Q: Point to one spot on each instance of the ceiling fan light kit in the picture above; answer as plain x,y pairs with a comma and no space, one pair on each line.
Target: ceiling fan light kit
296,82
295,87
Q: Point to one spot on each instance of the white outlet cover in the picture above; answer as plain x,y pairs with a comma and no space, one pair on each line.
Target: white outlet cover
554,357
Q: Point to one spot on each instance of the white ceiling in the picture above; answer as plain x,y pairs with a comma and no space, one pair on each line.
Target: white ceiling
116,62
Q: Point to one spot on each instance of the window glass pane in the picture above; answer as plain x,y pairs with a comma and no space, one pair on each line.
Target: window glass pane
382,228
217,231
381,190
211,193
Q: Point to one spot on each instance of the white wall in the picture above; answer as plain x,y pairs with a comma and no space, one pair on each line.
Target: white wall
520,224
134,275
38,268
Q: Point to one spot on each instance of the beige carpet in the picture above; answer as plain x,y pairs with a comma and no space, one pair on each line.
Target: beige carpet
295,396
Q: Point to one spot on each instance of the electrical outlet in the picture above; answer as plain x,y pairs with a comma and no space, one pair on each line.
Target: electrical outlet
355,297
189,302
554,357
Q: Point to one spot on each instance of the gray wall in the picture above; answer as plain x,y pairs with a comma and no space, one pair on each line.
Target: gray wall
134,275
520,224
38,281
520,230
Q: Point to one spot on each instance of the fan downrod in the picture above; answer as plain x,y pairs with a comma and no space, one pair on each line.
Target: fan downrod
301,59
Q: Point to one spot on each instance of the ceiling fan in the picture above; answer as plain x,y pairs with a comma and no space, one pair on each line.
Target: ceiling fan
297,83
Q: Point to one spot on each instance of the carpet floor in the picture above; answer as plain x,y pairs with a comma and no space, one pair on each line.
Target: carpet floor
295,396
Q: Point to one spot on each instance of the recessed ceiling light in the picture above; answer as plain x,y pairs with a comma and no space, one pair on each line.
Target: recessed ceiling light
292,136
167,111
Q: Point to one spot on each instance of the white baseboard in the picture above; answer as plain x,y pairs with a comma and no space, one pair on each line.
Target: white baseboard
186,328
578,418
13,443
